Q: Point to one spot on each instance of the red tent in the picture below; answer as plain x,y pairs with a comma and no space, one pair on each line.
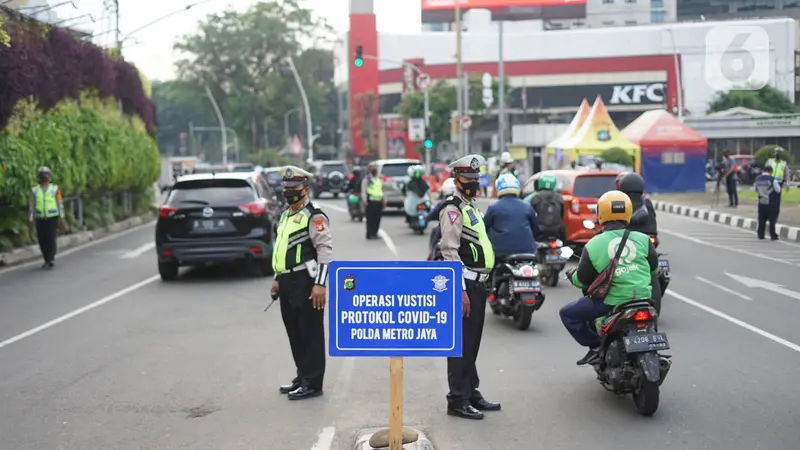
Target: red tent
673,155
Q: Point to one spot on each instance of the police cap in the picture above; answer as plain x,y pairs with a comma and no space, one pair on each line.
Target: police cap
468,166
295,176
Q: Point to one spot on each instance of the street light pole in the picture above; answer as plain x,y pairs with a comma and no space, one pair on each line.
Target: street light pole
222,126
309,128
192,129
459,77
286,122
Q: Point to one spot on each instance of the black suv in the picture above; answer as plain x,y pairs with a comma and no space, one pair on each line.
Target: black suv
215,218
329,176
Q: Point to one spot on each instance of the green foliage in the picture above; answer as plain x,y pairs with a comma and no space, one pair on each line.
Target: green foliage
617,156
5,39
269,158
766,99
766,152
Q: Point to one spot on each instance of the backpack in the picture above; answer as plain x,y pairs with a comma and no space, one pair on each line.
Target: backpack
641,216
548,211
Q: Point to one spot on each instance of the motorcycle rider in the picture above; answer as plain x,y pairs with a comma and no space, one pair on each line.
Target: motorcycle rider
354,185
506,165
447,190
417,186
632,279
510,222
549,207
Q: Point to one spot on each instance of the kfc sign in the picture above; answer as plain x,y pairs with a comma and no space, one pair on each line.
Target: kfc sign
638,94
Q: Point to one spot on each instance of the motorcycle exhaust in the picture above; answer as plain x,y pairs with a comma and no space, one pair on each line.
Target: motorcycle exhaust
663,368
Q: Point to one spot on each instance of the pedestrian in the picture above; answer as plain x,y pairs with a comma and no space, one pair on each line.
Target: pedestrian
778,164
768,189
46,211
373,200
303,249
464,239
729,175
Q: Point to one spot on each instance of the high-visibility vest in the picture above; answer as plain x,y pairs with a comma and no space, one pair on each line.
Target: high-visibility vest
476,249
778,168
293,245
375,189
46,201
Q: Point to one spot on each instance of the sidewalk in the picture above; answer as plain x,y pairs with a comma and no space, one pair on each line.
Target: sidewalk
704,206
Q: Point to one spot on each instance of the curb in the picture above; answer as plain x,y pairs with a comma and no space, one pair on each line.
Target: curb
785,232
363,436
24,254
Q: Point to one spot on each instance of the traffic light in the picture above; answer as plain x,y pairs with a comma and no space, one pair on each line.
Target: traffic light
359,61
428,143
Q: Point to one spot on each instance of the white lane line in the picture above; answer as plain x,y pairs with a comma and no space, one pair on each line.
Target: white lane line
336,208
78,311
388,241
325,439
704,234
735,321
80,247
723,247
138,251
723,288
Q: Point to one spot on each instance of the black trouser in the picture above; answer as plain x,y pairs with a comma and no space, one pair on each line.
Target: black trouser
767,213
462,374
733,195
374,213
47,234
305,327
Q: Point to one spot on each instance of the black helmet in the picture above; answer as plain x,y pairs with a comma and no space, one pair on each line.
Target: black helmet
619,179
357,169
631,182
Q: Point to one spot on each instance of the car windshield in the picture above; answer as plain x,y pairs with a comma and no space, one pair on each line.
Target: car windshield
396,169
211,192
274,177
244,168
330,168
594,186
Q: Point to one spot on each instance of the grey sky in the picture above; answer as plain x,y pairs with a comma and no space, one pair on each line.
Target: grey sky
151,48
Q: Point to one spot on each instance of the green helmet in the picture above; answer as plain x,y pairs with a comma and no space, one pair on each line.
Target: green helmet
418,172
546,182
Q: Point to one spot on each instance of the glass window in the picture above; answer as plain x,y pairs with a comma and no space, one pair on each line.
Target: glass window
657,4
215,192
396,169
330,168
658,16
594,186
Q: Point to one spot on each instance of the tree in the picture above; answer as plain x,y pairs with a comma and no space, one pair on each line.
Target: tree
766,152
242,58
177,104
617,156
766,99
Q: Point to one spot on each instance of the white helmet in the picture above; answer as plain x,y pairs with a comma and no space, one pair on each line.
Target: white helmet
506,158
449,187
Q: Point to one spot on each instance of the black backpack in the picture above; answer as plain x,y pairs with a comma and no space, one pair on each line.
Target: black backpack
548,211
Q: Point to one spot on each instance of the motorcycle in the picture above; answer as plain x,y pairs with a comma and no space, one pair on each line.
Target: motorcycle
663,270
355,207
552,256
419,221
516,289
629,362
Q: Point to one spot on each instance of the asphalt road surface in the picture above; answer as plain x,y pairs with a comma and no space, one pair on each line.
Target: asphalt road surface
100,354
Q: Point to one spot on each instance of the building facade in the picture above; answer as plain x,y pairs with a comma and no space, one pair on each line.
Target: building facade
736,9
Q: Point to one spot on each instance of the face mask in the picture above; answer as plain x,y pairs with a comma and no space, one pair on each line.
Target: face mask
470,189
43,178
293,195
374,173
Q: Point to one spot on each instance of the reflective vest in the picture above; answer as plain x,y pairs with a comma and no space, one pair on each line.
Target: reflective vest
778,169
375,189
476,250
293,245
46,202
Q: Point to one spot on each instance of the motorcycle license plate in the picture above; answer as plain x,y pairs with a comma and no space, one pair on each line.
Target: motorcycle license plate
527,286
663,266
554,259
646,342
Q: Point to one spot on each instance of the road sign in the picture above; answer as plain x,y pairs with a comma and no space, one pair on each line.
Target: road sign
466,122
395,308
416,129
488,94
424,81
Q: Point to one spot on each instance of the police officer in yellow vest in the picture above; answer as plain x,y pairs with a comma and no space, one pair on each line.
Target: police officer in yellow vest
779,172
464,239
300,258
46,210
374,200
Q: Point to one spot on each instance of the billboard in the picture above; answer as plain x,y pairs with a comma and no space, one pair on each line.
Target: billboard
507,10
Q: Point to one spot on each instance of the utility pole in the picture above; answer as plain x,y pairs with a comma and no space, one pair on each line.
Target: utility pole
191,139
117,31
459,77
501,92
465,83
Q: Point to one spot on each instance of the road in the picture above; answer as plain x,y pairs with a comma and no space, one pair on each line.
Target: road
196,364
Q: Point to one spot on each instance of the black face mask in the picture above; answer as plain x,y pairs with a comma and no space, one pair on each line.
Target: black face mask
43,178
470,188
293,195
374,173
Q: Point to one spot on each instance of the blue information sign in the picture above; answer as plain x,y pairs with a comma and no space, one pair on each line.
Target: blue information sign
395,308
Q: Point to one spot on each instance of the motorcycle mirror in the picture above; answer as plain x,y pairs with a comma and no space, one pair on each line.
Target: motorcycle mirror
567,252
588,224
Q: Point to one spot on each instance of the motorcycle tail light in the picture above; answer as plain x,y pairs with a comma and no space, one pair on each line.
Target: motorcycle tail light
420,207
553,244
526,271
641,316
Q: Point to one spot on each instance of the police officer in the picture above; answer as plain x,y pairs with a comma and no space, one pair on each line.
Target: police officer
780,173
374,201
768,189
464,239
303,249
46,210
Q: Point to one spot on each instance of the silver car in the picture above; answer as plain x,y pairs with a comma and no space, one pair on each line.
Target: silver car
394,173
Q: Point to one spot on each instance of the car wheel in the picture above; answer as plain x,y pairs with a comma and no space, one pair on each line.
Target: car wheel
168,270
336,195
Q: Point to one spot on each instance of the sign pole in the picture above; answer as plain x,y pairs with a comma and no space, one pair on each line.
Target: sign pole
501,91
459,76
396,403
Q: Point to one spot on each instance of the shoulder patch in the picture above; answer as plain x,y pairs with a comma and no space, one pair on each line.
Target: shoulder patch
319,224
298,218
453,216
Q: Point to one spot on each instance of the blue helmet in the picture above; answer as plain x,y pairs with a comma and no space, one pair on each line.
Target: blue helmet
506,184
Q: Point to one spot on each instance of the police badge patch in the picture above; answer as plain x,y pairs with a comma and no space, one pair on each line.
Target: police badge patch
474,164
288,174
440,283
349,282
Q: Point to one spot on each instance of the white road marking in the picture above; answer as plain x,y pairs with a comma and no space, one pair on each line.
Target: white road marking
80,247
735,321
774,287
336,208
388,241
139,251
78,311
736,250
325,439
723,288
727,227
